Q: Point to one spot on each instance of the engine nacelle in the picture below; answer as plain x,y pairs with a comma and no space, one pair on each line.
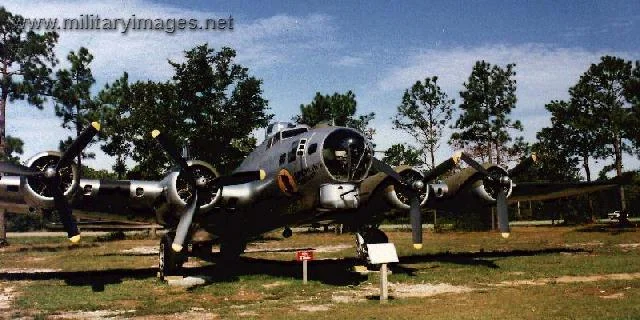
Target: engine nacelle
36,192
438,190
399,199
486,191
179,190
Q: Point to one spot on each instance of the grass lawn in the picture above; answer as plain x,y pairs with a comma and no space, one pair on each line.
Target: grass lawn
538,273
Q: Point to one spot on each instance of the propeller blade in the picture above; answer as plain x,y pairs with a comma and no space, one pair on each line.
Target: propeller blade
503,213
241,177
386,169
64,211
170,148
17,169
443,167
184,224
78,145
474,164
523,165
416,221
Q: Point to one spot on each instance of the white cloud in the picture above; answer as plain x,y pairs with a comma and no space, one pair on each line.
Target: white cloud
543,73
268,42
349,61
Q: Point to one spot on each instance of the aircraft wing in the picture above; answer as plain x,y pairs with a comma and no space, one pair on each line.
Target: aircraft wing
540,191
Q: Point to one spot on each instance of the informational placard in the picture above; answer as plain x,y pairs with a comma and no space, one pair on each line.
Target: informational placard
382,253
305,255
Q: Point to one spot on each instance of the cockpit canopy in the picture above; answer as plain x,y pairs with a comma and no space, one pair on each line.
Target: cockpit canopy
276,127
347,155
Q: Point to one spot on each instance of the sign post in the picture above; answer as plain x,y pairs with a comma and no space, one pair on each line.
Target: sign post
304,256
382,253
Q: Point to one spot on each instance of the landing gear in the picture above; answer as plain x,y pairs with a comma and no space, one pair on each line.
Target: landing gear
170,262
368,236
231,249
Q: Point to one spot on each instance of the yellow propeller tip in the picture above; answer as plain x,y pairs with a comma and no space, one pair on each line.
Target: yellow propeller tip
176,247
75,239
505,235
456,157
96,125
263,174
155,133
417,246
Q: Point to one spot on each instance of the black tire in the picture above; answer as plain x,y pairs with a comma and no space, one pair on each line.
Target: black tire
374,235
169,262
371,236
231,249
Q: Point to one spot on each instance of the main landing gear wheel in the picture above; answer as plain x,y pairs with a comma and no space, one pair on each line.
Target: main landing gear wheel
169,262
231,249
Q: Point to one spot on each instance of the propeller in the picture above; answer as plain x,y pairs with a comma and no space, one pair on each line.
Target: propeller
412,188
51,178
187,217
499,183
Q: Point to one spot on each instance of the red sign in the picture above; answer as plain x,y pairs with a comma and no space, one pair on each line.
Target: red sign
304,255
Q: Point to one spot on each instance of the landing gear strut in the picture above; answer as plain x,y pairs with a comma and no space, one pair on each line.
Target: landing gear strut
170,262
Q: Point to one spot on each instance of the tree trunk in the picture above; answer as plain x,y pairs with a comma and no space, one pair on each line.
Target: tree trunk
618,154
431,153
585,165
3,117
3,228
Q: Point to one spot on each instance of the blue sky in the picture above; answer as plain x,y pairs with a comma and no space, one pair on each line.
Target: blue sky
377,49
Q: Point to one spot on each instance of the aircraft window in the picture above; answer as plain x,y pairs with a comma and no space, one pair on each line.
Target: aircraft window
301,146
283,158
292,133
270,143
292,153
312,148
276,138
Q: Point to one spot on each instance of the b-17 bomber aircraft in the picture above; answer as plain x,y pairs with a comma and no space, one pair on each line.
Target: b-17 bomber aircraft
298,175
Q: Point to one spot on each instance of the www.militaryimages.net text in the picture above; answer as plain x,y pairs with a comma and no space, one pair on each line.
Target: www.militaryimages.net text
125,25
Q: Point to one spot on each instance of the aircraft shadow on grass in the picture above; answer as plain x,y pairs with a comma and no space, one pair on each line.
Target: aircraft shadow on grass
336,272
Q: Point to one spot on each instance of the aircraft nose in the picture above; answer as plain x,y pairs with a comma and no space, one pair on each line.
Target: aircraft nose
347,155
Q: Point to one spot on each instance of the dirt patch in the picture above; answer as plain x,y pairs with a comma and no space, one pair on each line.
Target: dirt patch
194,313
584,244
314,308
259,247
6,296
618,295
141,251
274,284
401,290
28,270
92,315
629,245
568,279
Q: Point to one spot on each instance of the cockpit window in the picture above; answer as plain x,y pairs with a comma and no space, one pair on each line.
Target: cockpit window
293,132
347,155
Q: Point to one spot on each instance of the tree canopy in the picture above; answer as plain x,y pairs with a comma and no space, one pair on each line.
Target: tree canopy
72,94
337,109
484,125
401,154
424,113
26,62
212,105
